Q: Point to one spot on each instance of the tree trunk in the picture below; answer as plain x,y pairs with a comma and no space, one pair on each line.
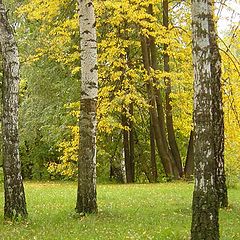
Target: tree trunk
15,203
116,167
189,165
126,147
162,151
218,116
153,63
131,143
153,154
205,200
86,195
169,119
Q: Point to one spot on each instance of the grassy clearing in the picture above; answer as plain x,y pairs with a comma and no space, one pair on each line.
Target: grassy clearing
153,211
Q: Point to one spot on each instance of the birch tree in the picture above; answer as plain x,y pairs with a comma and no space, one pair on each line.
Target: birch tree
210,188
15,204
218,115
86,195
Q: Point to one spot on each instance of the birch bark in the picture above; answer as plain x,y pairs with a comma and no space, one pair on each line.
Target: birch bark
205,200
218,116
86,195
15,203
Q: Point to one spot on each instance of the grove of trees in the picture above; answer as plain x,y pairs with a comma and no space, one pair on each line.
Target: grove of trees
121,85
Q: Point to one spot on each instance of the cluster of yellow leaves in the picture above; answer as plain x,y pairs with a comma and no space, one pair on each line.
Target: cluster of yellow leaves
56,32
68,160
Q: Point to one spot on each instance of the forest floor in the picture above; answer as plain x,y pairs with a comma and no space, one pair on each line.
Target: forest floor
141,211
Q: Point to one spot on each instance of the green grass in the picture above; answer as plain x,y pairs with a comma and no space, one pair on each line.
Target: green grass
153,211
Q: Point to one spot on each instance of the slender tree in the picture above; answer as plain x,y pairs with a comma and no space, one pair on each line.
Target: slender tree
161,147
218,116
189,165
149,52
169,119
127,149
128,138
86,195
205,201
131,142
154,173
15,203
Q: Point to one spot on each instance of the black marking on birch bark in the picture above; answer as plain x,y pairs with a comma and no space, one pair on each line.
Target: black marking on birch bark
89,4
92,85
89,104
91,40
83,93
86,32
94,68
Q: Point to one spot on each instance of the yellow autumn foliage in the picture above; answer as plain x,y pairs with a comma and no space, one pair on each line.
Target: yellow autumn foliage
122,78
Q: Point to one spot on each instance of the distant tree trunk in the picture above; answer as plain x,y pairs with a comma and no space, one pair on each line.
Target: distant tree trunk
205,200
162,150
189,165
131,142
159,104
116,167
169,119
86,195
218,116
123,169
153,154
15,203
127,153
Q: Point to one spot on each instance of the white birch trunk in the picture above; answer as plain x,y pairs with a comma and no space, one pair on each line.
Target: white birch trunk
15,204
86,197
218,116
205,202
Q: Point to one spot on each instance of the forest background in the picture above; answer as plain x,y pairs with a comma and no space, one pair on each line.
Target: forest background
48,39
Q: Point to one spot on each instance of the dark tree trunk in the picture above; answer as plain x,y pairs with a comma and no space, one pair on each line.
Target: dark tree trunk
153,63
169,119
218,116
205,200
116,171
15,203
189,165
126,147
131,143
86,195
153,154
162,150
